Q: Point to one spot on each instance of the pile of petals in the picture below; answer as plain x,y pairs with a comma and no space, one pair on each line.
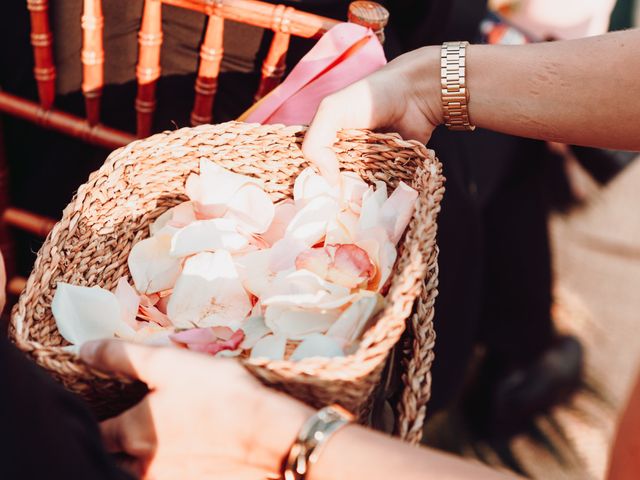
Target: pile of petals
229,272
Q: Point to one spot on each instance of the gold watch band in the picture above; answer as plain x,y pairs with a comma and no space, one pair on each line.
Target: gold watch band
313,435
453,82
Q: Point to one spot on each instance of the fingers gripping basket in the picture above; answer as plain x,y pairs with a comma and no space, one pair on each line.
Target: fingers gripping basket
138,182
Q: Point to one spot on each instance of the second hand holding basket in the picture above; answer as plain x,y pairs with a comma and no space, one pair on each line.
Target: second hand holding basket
138,182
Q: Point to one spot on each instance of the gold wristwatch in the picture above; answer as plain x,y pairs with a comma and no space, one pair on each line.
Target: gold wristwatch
453,82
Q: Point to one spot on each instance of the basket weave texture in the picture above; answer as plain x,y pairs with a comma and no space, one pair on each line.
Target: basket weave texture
138,182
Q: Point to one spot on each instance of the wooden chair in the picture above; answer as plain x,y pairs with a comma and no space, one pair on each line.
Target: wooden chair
283,21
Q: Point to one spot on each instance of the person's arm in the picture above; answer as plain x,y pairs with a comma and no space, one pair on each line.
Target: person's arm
209,418
358,453
583,92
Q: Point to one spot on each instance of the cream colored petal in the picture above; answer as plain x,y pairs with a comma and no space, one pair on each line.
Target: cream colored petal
296,323
284,213
209,293
160,222
182,215
304,289
342,228
129,302
271,347
228,353
317,345
254,329
381,251
252,208
214,188
254,272
372,202
284,253
388,256
176,217
152,267
207,235
353,189
309,185
154,335
309,225
88,313
352,322
397,211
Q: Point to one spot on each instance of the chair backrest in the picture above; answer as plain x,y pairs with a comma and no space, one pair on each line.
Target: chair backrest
283,21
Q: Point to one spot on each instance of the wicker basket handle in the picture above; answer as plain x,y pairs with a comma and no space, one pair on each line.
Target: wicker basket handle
412,407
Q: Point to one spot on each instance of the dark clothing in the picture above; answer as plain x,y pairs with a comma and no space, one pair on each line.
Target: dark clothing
495,266
45,431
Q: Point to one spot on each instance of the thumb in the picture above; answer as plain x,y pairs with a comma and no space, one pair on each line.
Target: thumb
319,140
132,360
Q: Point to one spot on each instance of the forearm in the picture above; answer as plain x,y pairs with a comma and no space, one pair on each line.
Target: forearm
584,92
357,453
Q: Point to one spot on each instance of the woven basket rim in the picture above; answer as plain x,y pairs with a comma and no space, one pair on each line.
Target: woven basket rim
350,367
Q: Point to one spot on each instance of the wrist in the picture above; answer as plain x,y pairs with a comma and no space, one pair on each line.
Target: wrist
277,421
421,73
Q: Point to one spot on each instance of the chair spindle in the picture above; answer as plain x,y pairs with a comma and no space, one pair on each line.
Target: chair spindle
207,82
41,38
92,58
148,69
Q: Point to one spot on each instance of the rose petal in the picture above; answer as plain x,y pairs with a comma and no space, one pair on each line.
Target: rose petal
213,189
176,217
381,251
160,222
152,334
88,313
209,293
372,202
218,344
152,314
284,213
254,272
397,211
151,266
229,353
207,235
284,253
309,185
351,266
254,329
183,215
346,265
317,345
305,289
342,228
129,301
353,189
309,225
296,324
352,322
271,347
252,208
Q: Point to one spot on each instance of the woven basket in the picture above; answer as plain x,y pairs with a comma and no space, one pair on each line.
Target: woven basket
138,182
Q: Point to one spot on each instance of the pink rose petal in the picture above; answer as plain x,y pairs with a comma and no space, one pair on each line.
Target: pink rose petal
397,210
346,265
252,208
284,213
209,340
129,302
